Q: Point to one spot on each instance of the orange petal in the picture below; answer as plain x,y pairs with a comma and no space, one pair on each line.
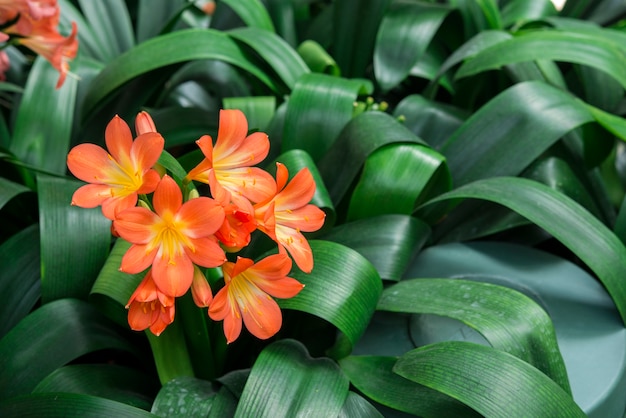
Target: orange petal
134,225
308,218
241,265
137,259
232,328
200,289
298,192
144,123
145,292
113,206
164,318
205,143
272,267
232,131
201,216
250,152
90,163
220,306
91,195
151,180
167,197
146,150
172,273
207,252
282,175
297,246
141,315
262,317
119,140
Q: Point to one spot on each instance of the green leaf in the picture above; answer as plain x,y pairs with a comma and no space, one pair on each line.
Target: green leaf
171,356
317,59
259,110
523,121
360,137
184,396
518,12
69,265
348,303
398,177
357,407
473,373
405,32
568,222
67,405
319,107
154,15
281,57
252,12
176,47
10,189
64,330
110,23
41,136
19,277
508,319
110,381
388,242
372,376
300,385
583,48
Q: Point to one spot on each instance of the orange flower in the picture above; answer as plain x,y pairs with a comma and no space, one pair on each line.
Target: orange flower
200,289
148,307
246,295
232,160
117,178
285,215
172,238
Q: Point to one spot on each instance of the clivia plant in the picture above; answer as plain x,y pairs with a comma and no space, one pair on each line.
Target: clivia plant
312,208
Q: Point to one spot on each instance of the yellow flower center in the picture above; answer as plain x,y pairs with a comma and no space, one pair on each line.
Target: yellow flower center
169,236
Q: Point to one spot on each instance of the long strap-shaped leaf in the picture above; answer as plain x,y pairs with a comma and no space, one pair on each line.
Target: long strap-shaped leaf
252,12
565,219
474,374
569,46
508,319
300,385
50,337
68,405
176,47
343,289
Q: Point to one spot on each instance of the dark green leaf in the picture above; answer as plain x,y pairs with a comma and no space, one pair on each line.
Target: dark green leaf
110,23
184,396
476,375
252,13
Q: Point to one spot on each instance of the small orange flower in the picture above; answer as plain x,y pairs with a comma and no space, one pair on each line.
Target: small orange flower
148,307
117,178
246,296
232,160
200,290
173,238
288,213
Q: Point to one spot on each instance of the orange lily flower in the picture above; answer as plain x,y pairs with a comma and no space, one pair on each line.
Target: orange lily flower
116,179
232,160
246,296
171,239
148,307
288,213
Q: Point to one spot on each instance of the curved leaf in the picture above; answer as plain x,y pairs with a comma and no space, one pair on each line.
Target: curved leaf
184,396
49,330
573,226
110,22
176,47
252,13
387,241
348,303
67,405
473,373
317,59
300,384
556,45
508,319
405,32
319,107
357,407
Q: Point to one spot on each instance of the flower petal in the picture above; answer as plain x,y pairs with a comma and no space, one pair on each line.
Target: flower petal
119,140
172,273
151,180
144,123
297,246
164,318
137,259
253,183
201,217
134,225
146,150
250,152
91,195
207,252
167,197
90,163
232,131
308,218
220,306
113,206
200,289
141,315
262,316
298,192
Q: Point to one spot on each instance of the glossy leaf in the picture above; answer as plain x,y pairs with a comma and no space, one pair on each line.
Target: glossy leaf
317,59
472,373
387,241
319,107
184,396
69,266
405,32
10,189
574,47
300,385
508,319
110,22
357,407
563,218
252,12
373,376
68,405
48,330
349,303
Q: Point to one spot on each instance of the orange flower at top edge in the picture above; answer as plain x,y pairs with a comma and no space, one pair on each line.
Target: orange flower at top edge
171,239
117,178
286,215
232,160
246,296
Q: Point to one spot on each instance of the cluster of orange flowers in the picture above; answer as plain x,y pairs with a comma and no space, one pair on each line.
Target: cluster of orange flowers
173,235
33,24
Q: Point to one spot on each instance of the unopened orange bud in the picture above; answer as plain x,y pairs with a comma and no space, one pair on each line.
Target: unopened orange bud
144,123
200,289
